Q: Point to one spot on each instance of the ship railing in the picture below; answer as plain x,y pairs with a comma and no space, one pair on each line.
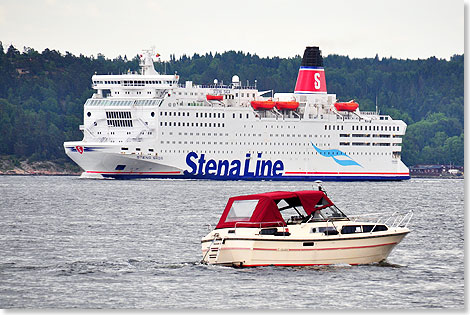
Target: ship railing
220,86
368,113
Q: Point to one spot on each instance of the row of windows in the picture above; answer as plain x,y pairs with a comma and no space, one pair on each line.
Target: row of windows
376,128
119,123
203,94
134,82
254,135
201,115
240,115
360,135
209,115
273,152
365,143
174,113
333,127
122,102
118,115
371,128
187,124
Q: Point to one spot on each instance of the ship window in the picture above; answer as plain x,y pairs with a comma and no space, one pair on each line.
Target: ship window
120,167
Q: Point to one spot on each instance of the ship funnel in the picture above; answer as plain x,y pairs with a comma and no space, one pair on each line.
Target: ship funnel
311,78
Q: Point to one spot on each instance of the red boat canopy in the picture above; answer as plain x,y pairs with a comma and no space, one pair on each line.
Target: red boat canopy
261,210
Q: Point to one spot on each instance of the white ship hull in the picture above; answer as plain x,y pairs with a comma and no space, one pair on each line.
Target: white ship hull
147,125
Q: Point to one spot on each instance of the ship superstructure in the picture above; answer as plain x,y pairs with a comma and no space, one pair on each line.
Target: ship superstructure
147,125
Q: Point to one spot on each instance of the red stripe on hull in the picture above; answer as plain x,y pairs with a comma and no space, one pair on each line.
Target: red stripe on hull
342,173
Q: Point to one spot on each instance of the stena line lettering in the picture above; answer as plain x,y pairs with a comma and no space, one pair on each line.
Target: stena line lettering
199,166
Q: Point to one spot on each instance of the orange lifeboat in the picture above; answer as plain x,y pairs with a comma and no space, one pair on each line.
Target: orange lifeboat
287,105
263,105
210,97
347,106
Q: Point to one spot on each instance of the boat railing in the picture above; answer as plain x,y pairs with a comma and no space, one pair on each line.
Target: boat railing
394,220
331,221
260,224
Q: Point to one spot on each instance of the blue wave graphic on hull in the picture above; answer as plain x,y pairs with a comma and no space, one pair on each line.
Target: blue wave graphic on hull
333,153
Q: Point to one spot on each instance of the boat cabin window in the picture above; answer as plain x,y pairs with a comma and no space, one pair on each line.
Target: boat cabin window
327,230
329,213
241,210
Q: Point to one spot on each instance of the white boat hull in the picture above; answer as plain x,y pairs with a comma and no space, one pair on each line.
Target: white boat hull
285,251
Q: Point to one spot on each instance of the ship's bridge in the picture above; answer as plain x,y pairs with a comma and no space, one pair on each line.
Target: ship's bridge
146,84
132,81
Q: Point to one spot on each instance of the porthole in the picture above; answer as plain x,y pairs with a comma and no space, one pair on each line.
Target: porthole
88,114
152,114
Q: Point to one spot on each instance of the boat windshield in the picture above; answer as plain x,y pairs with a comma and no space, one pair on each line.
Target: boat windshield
329,213
291,210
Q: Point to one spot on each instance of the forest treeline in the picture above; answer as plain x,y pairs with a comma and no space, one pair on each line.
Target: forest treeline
42,95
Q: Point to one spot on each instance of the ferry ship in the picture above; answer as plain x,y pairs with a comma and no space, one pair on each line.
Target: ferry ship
148,125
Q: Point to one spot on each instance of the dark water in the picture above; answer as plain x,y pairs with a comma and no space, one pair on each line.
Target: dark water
72,243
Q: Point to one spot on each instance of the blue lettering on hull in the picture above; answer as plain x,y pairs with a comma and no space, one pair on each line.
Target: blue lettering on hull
199,167
249,169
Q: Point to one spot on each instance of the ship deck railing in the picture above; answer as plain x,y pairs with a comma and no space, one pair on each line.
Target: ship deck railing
219,86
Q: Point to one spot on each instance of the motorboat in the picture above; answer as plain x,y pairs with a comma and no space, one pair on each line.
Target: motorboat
298,228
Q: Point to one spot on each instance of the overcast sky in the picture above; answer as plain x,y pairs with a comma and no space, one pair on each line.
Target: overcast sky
358,28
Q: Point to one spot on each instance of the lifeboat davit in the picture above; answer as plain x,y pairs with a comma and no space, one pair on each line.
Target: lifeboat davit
347,106
287,105
263,105
210,97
